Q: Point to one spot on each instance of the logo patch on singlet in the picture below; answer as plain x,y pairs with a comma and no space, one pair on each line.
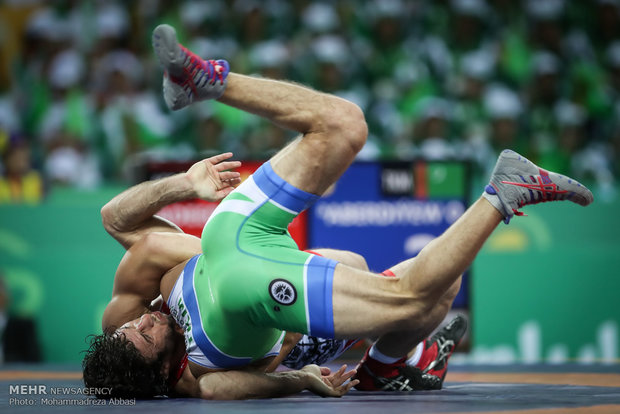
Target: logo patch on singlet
282,291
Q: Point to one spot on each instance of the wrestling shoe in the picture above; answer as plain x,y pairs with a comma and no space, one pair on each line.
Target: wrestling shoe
377,376
517,182
187,77
438,348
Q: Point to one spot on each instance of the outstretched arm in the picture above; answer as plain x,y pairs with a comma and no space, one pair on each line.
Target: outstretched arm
241,385
138,277
131,214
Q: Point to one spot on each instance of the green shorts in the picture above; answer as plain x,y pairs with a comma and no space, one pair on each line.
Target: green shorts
252,282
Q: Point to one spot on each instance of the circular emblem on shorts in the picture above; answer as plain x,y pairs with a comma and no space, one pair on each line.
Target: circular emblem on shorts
282,291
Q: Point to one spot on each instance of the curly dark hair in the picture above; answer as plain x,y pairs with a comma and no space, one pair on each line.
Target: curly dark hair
113,364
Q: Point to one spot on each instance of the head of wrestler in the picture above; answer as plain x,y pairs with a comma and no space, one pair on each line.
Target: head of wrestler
135,360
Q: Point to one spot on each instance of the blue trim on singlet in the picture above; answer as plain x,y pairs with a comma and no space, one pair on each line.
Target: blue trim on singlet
320,272
319,281
206,346
282,192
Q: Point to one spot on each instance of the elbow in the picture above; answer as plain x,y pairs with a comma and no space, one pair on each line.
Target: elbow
111,225
217,394
207,395
107,218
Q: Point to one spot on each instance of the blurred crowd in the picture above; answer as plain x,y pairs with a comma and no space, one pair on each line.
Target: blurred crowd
80,89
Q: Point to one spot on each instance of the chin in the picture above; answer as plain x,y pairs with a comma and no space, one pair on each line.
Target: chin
174,327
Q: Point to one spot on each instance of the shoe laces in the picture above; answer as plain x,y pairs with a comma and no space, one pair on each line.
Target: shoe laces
408,379
444,349
195,69
542,185
397,383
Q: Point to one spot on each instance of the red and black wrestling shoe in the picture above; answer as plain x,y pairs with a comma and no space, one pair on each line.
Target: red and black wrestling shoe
439,347
398,376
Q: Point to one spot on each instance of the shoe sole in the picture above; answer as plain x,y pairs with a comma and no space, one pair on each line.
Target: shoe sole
168,51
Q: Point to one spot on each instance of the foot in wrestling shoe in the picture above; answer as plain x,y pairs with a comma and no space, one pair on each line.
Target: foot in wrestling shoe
517,182
187,77
398,376
438,348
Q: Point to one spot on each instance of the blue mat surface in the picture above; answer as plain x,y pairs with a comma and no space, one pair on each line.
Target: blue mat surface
37,388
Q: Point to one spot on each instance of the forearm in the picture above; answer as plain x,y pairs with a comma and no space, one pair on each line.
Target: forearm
290,340
134,208
241,385
130,215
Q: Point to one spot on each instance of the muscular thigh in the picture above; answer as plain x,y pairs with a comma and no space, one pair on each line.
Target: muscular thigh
310,163
367,304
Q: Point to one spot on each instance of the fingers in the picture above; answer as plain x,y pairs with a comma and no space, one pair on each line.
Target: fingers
234,182
217,162
228,165
341,390
342,370
229,175
341,376
336,376
219,157
350,385
336,382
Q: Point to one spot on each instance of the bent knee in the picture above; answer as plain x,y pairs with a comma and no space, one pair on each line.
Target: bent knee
348,120
358,261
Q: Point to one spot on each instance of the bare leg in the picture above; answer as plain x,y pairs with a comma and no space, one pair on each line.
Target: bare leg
385,344
344,256
436,315
333,129
447,257
406,306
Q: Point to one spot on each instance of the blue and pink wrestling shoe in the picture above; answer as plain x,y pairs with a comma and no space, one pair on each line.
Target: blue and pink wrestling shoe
187,77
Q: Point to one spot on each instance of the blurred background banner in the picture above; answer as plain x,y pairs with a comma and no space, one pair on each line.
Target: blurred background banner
445,85
388,212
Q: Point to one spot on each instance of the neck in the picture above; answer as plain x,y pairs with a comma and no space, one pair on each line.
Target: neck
176,358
